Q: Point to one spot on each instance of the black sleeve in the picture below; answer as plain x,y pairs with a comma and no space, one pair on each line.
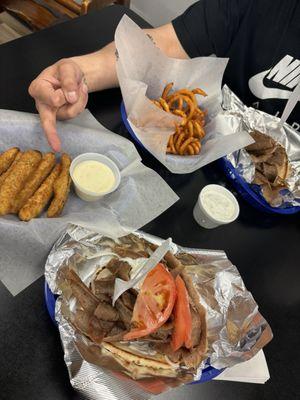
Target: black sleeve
209,26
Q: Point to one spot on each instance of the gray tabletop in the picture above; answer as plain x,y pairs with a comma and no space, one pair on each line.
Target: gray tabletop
264,248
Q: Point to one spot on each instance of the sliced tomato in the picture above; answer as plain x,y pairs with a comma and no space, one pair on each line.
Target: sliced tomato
182,334
154,303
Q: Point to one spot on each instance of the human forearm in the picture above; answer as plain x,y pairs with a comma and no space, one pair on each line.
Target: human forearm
61,90
99,68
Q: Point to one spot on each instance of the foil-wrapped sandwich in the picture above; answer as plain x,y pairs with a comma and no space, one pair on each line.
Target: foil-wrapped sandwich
192,308
164,313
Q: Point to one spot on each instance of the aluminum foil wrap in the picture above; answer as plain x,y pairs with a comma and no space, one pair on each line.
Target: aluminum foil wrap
249,119
236,329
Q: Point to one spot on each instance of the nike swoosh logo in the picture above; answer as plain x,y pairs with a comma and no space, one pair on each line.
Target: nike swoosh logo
257,87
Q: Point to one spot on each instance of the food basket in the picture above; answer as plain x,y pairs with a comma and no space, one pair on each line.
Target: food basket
128,127
208,374
252,197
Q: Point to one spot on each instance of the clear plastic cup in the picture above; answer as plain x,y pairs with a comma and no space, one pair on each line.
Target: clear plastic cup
222,207
87,195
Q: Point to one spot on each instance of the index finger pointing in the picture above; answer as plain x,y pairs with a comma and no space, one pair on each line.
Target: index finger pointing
48,122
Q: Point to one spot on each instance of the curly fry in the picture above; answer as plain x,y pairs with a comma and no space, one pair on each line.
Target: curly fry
180,103
164,104
200,113
157,103
189,94
188,133
185,144
199,91
190,127
172,99
199,130
178,129
179,141
190,150
171,144
191,106
201,122
196,146
180,113
166,90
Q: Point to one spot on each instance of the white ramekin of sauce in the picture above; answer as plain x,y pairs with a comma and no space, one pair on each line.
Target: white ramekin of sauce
94,176
215,206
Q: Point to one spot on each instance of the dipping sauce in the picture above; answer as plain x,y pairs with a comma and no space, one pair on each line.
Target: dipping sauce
94,176
218,205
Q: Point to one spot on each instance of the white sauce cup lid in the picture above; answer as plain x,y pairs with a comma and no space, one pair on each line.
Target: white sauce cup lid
85,194
202,214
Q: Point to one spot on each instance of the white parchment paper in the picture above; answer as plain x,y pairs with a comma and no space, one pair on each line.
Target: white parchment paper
143,71
141,196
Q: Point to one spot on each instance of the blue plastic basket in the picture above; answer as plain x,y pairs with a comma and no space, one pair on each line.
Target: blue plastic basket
208,373
241,186
128,127
252,197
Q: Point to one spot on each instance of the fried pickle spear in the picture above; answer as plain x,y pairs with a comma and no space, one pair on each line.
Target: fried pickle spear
17,179
7,158
61,188
35,205
8,171
34,182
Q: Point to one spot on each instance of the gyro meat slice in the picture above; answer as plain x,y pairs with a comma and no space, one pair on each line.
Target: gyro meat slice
81,292
129,299
162,335
106,312
103,284
81,320
116,334
124,312
124,252
36,204
102,297
17,178
263,143
34,182
61,188
7,158
96,331
120,269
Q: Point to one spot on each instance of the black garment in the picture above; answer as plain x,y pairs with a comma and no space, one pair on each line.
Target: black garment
261,39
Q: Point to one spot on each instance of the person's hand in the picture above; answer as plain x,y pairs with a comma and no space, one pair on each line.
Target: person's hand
60,92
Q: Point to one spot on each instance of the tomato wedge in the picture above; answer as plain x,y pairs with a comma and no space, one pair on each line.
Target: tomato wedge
154,303
182,334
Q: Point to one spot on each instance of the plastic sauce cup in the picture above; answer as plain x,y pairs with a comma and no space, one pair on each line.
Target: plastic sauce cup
88,195
215,206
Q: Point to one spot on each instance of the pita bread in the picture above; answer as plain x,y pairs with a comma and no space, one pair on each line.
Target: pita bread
136,366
